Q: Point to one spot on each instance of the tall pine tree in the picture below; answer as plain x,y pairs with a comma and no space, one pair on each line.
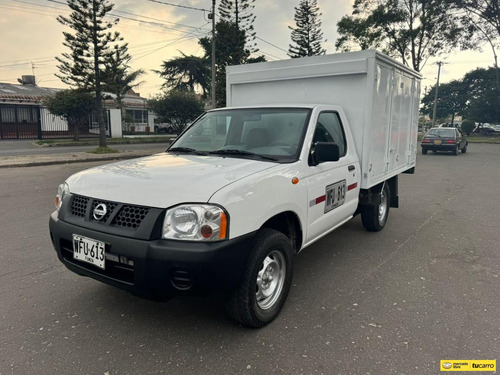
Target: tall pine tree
240,12
91,47
306,36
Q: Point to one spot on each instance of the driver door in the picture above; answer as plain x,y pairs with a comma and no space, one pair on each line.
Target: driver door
333,187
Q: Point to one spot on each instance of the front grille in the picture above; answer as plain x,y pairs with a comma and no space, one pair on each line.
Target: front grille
115,269
130,216
79,205
117,215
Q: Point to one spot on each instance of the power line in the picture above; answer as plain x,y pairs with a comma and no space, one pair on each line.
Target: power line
157,22
165,46
156,19
271,44
177,5
270,55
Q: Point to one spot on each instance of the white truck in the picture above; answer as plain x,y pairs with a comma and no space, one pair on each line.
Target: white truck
305,145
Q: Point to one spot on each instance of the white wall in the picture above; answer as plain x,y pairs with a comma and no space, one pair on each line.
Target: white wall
115,119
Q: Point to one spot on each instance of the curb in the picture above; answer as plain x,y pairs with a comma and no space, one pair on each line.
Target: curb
34,163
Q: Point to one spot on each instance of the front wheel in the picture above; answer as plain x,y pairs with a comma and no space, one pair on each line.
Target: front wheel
265,285
374,217
464,150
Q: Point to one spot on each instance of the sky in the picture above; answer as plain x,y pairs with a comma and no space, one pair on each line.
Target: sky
31,37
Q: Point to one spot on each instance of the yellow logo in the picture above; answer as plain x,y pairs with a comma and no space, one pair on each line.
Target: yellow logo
468,365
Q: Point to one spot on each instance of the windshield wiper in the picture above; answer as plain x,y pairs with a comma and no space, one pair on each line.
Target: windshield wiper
186,149
240,152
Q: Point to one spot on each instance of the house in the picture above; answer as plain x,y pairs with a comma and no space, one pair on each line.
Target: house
22,114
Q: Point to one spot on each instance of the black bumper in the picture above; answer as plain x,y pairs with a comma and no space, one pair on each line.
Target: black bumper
431,147
156,269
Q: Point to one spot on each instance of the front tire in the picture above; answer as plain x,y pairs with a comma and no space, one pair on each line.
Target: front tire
373,217
464,150
265,285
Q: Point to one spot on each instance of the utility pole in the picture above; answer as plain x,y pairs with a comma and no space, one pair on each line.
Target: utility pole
214,105
439,63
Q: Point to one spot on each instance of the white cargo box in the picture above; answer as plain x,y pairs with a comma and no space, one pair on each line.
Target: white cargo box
379,95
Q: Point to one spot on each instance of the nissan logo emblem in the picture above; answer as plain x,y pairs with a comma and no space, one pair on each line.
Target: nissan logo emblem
100,211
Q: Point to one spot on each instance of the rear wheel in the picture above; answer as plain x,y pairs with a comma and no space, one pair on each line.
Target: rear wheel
455,150
424,151
157,129
265,285
374,217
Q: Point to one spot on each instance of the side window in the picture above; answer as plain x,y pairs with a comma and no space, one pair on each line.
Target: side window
329,129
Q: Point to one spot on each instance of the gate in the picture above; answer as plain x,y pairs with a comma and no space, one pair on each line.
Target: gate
18,121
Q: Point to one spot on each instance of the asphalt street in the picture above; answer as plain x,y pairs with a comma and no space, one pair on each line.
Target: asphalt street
426,288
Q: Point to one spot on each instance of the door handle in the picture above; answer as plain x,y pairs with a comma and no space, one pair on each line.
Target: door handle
351,168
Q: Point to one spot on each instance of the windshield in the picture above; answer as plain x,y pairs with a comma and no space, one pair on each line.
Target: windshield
267,133
442,132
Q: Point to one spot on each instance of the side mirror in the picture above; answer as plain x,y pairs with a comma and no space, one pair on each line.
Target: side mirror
325,151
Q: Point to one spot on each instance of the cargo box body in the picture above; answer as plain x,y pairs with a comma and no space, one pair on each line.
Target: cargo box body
379,96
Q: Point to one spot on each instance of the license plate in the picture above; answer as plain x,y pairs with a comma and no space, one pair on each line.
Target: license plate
437,142
88,250
335,195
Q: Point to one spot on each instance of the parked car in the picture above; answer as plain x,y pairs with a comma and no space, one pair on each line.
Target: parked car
496,128
164,128
449,125
444,139
484,129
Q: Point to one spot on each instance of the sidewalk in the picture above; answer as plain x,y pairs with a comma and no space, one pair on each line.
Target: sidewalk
67,158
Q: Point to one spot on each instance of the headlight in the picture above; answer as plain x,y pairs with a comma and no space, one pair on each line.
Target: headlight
62,190
201,222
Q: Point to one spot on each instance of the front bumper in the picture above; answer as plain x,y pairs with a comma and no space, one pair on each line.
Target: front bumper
158,268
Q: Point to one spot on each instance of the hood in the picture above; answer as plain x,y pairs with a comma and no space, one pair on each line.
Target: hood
163,180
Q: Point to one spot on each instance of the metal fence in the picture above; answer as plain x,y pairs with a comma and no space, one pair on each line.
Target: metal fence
18,121
36,122
55,127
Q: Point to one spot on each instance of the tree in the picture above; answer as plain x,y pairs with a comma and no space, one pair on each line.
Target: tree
452,100
177,107
74,106
484,101
483,16
91,48
306,36
240,13
468,126
229,50
411,30
119,80
186,72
